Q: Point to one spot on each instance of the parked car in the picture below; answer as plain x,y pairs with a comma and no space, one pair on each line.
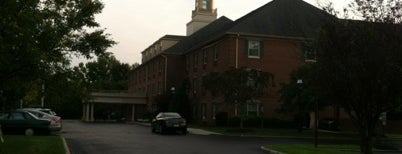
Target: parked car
55,121
23,122
48,111
169,121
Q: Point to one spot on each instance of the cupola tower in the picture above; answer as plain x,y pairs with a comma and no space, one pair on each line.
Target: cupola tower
203,14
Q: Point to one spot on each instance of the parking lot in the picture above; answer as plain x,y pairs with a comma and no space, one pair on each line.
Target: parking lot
91,138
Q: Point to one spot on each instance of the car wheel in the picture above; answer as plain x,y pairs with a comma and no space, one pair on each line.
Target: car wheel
184,131
161,129
29,132
153,129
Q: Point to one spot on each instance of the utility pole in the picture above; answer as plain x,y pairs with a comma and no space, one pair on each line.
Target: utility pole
43,95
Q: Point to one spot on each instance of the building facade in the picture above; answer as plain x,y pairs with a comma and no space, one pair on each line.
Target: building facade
271,38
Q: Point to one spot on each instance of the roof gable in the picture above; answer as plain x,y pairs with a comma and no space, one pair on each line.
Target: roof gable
201,36
284,18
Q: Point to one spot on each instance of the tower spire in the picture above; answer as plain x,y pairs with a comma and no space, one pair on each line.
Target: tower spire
203,14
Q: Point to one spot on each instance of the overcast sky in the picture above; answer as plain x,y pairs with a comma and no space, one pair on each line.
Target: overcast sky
136,24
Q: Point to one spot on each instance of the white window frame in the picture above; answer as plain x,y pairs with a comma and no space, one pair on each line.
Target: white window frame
194,85
204,111
213,111
249,107
204,4
253,49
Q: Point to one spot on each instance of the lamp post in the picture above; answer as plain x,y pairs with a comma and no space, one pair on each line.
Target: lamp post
299,83
43,95
315,124
300,121
173,106
1,101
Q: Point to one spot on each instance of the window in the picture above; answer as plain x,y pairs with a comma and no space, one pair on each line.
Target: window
17,116
195,85
213,111
195,60
252,109
204,111
195,112
205,56
309,54
215,53
250,81
204,4
254,49
160,65
187,63
160,86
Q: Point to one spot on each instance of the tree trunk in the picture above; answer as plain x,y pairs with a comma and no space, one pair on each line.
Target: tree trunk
241,122
312,120
366,143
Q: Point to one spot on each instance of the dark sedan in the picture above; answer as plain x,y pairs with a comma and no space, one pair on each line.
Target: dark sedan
23,122
169,122
55,121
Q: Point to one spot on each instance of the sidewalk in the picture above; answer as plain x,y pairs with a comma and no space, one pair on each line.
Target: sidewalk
201,132
389,142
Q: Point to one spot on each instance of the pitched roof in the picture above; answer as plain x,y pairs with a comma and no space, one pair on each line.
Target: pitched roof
201,36
166,37
284,18
281,18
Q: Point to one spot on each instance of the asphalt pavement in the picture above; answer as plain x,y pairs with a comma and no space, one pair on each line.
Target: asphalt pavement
91,138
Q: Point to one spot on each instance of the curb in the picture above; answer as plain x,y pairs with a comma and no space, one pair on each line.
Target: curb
65,145
270,151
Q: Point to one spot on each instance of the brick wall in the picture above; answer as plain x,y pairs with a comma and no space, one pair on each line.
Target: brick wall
280,58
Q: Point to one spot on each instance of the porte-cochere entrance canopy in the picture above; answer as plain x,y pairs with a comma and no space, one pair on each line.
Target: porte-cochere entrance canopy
105,105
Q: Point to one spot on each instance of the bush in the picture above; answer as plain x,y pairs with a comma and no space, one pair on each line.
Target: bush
253,121
234,121
221,119
278,123
248,121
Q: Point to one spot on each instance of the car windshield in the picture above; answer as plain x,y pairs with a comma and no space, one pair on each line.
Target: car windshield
172,115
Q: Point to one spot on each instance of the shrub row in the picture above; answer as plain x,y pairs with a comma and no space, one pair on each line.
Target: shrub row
253,121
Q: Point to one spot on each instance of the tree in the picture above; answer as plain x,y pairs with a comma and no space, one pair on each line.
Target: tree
300,99
384,11
359,68
238,86
39,37
359,64
175,100
107,73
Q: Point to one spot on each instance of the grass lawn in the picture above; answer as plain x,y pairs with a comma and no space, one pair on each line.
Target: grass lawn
19,144
321,149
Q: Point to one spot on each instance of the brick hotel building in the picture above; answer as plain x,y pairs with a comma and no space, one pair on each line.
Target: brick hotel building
271,39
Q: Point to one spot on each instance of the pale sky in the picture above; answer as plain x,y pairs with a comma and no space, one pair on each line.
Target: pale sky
136,24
